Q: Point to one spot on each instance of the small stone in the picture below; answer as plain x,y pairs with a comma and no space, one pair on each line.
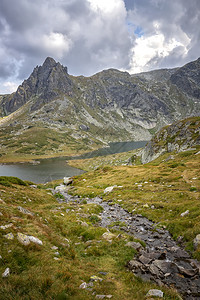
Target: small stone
56,258
62,214
54,248
155,293
108,236
100,296
83,285
196,241
109,189
23,238
6,226
1,214
6,273
84,224
9,236
35,240
0,257
25,211
185,213
95,278
57,253
103,273
109,296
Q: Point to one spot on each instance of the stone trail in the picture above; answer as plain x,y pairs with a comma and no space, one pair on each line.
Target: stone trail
162,260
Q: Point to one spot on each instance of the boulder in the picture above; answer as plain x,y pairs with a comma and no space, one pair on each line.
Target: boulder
61,189
196,241
23,238
155,293
137,246
67,180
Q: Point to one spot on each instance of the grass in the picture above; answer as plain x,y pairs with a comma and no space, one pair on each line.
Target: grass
169,187
19,144
124,158
83,252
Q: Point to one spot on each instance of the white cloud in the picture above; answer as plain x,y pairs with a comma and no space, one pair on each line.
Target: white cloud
9,87
148,50
107,6
90,35
56,44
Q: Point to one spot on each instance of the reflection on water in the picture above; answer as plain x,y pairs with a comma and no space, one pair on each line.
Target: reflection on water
57,168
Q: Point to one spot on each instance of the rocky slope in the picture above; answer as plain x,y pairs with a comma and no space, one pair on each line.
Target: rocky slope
180,136
108,106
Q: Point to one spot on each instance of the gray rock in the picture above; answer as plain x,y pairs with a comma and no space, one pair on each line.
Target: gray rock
61,189
25,211
6,226
109,189
196,241
23,238
6,273
155,293
67,180
35,240
54,248
9,236
137,246
83,285
185,213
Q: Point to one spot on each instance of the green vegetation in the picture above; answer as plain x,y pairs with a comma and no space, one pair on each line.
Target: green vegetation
168,187
73,249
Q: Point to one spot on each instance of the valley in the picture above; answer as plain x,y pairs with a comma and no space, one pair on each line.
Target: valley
129,226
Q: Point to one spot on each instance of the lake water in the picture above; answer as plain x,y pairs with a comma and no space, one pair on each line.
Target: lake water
57,168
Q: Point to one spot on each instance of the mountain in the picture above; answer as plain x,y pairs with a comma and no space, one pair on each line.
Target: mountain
88,112
180,136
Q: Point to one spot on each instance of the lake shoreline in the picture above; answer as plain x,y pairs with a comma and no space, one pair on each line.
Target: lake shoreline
10,160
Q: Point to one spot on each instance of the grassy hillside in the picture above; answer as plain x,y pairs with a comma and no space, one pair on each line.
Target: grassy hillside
160,190
71,247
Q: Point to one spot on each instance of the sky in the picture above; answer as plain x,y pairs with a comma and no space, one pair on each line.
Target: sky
88,36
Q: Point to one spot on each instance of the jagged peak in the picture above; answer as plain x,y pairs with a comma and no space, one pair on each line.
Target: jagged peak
50,62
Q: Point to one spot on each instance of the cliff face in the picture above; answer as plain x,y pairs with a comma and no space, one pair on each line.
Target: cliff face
45,84
180,136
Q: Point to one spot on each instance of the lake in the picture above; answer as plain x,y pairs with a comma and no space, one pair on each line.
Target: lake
57,168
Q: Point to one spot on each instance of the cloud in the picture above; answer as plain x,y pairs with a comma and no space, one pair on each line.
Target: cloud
170,33
79,33
90,35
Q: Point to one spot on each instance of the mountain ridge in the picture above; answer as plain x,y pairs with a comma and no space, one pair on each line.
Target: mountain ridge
109,106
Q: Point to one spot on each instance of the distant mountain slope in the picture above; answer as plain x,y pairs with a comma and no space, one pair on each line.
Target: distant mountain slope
180,136
108,106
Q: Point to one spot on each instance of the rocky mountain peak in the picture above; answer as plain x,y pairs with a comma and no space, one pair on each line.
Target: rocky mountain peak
49,62
45,83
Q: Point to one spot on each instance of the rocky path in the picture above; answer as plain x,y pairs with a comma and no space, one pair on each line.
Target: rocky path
162,260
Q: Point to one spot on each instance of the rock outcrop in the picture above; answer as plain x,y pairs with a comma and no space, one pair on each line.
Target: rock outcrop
180,136
44,84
